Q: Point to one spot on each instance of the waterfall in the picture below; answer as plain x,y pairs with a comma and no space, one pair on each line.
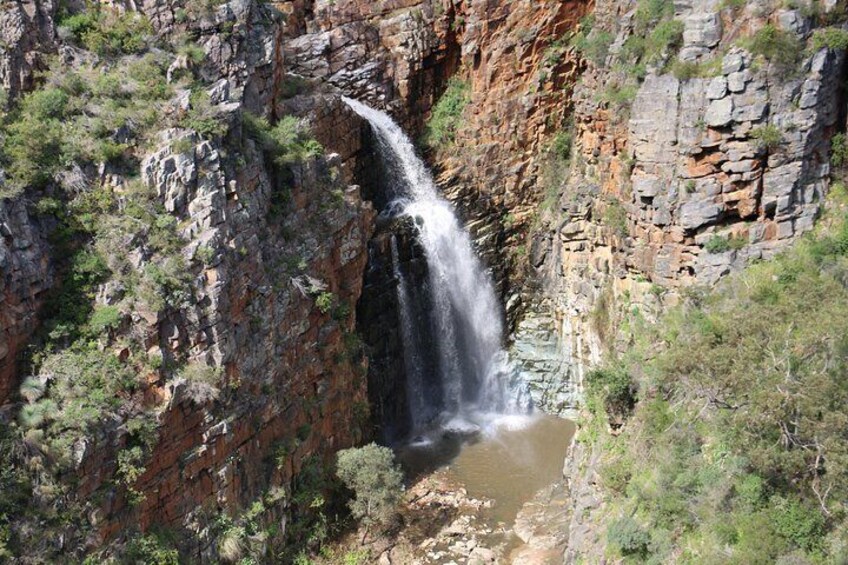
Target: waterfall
475,374
411,354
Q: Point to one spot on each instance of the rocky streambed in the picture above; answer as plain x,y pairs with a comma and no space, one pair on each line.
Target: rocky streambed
496,498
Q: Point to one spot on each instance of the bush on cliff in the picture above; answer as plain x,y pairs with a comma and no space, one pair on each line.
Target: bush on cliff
776,45
289,141
446,116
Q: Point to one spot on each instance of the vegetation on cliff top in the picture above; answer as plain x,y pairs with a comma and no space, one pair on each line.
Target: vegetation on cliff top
737,450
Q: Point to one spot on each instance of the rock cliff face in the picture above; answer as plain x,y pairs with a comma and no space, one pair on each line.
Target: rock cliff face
678,188
262,244
26,274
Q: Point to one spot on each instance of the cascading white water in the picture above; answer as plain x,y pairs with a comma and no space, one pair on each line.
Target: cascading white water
466,319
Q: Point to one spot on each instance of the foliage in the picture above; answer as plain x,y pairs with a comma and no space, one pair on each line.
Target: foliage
656,35
104,318
619,97
615,217
555,166
685,70
76,117
151,549
650,12
778,46
87,384
202,116
593,45
839,150
289,141
376,481
203,382
768,136
294,143
446,116
324,302
615,389
15,486
108,32
720,244
831,38
665,38
737,450
628,537
312,514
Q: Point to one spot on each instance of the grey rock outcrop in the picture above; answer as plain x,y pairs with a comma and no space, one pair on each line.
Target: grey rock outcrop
25,275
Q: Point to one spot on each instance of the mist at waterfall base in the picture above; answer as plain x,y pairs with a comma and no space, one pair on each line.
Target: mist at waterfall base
475,389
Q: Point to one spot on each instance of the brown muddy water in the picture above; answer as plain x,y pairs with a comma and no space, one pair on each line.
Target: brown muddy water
507,462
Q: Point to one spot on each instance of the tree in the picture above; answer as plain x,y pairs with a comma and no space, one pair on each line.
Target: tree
376,481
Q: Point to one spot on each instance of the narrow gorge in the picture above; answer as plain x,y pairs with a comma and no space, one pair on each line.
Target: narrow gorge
423,281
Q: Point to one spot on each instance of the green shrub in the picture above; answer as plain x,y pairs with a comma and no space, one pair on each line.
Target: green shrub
16,486
35,141
292,85
376,481
839,150
324,302
293,141
151,550
202,117
555,166
88,385
615,474
832,38
768,136
666,38
104,318
75,118
802,525
446,116
619,97
203,382
650,12
593,45
561,145
736,380
686,70
130,468
111,33
717,244
778,46
720,244
628,537
751,490
615,218
193,52
615,388
289,141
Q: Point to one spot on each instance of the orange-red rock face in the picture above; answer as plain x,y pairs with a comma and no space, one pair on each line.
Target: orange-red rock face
294,383
521,73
